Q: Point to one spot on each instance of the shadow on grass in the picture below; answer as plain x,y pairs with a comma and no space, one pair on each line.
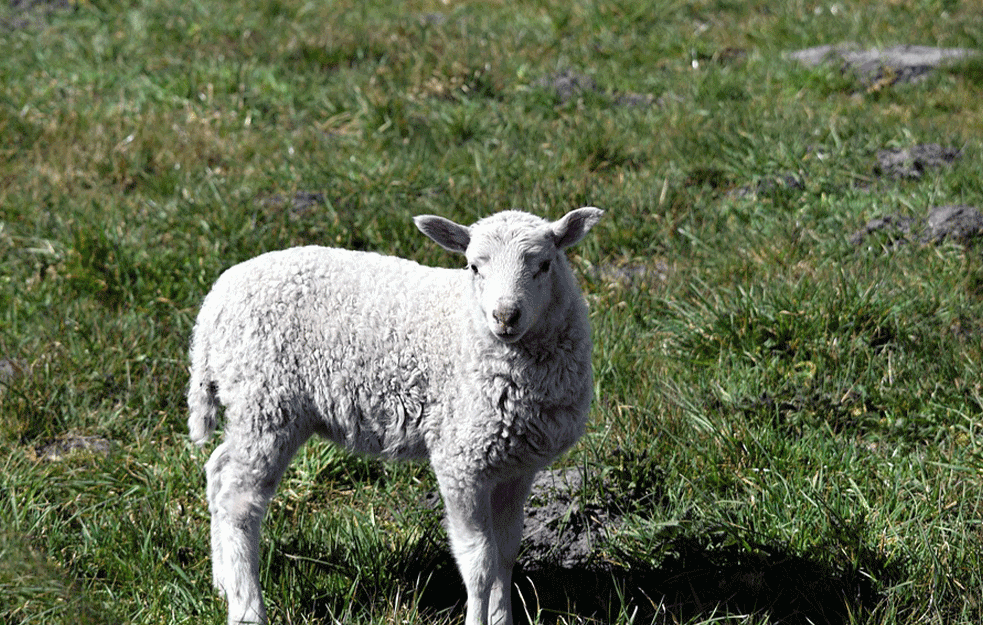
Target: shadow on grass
697,578
697,581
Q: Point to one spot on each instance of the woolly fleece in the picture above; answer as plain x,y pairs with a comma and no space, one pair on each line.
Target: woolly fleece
388,357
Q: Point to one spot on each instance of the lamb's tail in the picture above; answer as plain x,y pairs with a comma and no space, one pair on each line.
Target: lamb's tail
202,396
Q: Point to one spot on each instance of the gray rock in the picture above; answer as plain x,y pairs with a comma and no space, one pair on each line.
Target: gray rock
887,66
953,222
300,204
568,85
898,229
10,370
27,14
771,184
958,223
71,444
819,55
559,529
630,273
914,161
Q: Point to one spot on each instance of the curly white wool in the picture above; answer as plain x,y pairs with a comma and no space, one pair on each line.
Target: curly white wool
485,371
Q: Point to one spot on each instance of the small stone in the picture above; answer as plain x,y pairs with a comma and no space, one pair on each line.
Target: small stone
10,370
878,67
71,444
913,162
953,222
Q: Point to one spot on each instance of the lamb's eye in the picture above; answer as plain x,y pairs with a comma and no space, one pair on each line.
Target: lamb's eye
544,267
473,268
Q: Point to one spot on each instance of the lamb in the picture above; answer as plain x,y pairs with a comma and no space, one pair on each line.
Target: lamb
485,371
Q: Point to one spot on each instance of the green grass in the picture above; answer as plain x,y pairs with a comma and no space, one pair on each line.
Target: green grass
786,418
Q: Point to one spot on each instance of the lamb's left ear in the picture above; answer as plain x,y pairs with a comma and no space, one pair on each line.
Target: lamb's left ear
449,235
572,227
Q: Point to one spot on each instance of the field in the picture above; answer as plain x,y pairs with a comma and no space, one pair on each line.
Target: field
788,416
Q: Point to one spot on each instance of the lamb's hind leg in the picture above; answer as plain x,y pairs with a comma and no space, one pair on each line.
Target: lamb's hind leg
242,478
213,470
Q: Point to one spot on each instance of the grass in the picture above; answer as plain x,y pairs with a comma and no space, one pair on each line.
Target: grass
790,423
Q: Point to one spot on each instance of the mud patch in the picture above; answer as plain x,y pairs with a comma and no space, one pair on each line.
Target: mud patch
560,530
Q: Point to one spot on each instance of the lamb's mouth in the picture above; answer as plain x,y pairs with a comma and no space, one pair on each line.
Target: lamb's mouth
507,334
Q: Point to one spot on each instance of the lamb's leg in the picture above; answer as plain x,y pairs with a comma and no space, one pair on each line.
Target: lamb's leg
242,478
508,502
471,530
213,469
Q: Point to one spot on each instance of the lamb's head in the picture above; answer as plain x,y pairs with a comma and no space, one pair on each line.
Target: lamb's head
517,265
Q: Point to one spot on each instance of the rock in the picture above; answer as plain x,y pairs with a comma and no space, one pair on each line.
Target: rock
914,161
819,55
771,184
300,204
568,85
882,67
558,530
957,223
629,274
897,227
71,444
953,222
24,14
10,370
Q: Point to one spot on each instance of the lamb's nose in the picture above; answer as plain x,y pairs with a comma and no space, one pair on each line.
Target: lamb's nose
507,315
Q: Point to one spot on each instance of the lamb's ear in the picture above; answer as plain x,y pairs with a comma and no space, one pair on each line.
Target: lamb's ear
572,227
446,233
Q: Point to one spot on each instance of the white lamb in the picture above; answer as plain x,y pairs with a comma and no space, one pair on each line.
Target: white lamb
485,371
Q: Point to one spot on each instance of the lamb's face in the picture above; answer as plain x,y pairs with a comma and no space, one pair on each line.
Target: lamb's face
516,262
512,274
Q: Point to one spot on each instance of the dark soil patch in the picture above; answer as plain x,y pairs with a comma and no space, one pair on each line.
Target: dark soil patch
559,530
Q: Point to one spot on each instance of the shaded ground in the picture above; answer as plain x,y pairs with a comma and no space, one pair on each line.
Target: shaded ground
559,572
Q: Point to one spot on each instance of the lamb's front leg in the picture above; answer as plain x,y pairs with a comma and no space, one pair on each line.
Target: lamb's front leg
471,530
508,501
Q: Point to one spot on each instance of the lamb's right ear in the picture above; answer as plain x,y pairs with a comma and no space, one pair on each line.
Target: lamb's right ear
446,233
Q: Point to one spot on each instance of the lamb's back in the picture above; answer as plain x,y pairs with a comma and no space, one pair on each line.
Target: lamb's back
350,344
